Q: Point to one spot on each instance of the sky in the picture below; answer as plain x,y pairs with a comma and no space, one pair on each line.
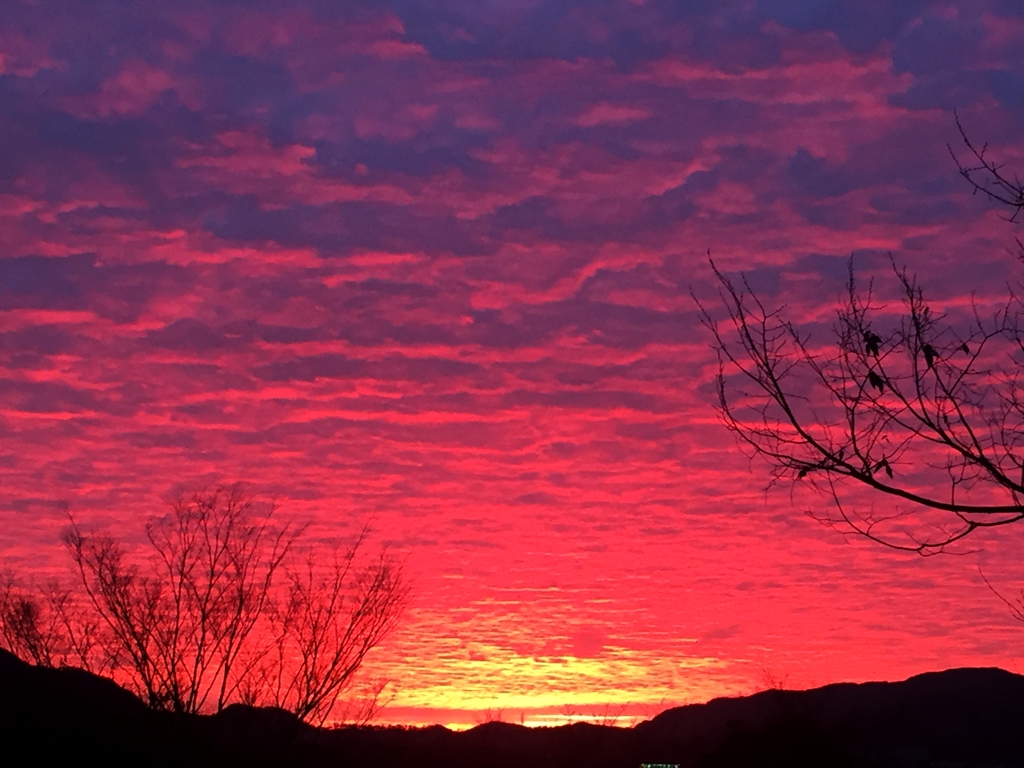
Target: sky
429,263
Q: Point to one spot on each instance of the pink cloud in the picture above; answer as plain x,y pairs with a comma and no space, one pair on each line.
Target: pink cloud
603,114
441,281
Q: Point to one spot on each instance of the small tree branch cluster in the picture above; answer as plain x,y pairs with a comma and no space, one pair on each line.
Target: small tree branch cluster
928,414
925,412
46,626
989,177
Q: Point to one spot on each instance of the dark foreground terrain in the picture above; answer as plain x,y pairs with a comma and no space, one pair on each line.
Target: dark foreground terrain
961,717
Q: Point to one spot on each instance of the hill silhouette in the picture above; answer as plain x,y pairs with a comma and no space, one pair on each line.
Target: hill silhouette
961,717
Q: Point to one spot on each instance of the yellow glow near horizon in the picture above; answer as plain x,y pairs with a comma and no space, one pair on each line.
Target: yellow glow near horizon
486,677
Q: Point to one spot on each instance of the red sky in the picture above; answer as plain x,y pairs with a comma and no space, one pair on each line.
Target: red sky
429,264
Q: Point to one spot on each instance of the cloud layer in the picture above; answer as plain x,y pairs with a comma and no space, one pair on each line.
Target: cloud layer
431,262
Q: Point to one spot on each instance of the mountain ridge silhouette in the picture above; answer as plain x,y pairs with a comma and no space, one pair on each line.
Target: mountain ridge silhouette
960,717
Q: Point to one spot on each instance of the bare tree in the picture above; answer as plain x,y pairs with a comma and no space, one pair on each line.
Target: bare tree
924,409
27,631
218,613
45,626
927,412
179,630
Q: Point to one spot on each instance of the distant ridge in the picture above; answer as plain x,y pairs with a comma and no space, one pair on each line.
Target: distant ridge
960,717
969,717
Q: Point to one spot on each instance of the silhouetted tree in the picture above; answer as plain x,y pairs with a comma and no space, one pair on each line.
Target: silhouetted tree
28,630
219,613
924,410
45,626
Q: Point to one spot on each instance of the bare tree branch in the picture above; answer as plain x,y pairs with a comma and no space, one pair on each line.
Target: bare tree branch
987,176
334,618
922,412
1016,606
